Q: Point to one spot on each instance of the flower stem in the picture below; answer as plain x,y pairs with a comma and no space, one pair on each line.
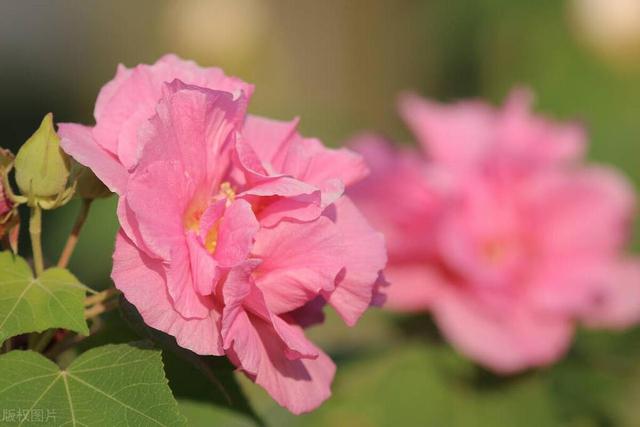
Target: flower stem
35,229
100,308
101,296
72,240
43,340
70,339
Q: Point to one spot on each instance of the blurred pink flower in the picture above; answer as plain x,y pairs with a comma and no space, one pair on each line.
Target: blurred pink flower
499,231
234,230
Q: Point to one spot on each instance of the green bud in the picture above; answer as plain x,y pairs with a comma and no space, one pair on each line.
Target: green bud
88,185
42,168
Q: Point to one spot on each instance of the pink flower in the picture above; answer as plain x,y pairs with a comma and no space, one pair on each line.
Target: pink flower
5,203
234,230
498,230
125,104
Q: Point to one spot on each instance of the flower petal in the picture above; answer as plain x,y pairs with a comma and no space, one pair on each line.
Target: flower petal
616,297
298,261
412,287
238,228
505,341
299,385
457,135
78,142
143,283
364,258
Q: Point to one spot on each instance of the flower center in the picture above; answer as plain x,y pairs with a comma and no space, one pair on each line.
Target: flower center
211,239
193,215
227,191
494,251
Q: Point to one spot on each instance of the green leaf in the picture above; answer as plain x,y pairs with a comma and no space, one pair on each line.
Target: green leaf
113,385
207,379
27,304
200,414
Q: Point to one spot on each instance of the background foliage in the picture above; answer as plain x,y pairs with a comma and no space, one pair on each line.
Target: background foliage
339,65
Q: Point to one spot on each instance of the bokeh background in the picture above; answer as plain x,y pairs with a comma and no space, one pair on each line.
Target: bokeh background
339,64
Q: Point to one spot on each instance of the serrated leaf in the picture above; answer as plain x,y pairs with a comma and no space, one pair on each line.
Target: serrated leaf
113,385
208,379
28,304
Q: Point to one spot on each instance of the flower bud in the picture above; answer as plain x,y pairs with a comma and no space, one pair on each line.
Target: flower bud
88,185
42,168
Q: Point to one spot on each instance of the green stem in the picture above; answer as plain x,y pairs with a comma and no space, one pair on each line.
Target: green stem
43,340
32,339
35,229
100,297
100,308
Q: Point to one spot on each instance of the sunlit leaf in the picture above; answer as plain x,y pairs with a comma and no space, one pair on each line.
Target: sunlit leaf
113,385
28,304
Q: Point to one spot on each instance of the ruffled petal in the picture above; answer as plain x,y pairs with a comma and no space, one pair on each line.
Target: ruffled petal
236,232
364,258
298,262
79,143
143,282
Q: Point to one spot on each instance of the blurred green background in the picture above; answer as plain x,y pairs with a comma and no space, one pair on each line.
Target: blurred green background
339,66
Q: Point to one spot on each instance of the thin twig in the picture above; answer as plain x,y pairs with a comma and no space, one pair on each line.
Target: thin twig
100,308
72,240
101,296
71,339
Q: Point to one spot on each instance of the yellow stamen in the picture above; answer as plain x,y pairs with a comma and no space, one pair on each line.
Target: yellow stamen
227,191
211,241
194,213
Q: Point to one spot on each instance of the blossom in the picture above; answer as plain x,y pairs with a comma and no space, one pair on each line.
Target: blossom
9,219
234,229
5,203
6,161
499,230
